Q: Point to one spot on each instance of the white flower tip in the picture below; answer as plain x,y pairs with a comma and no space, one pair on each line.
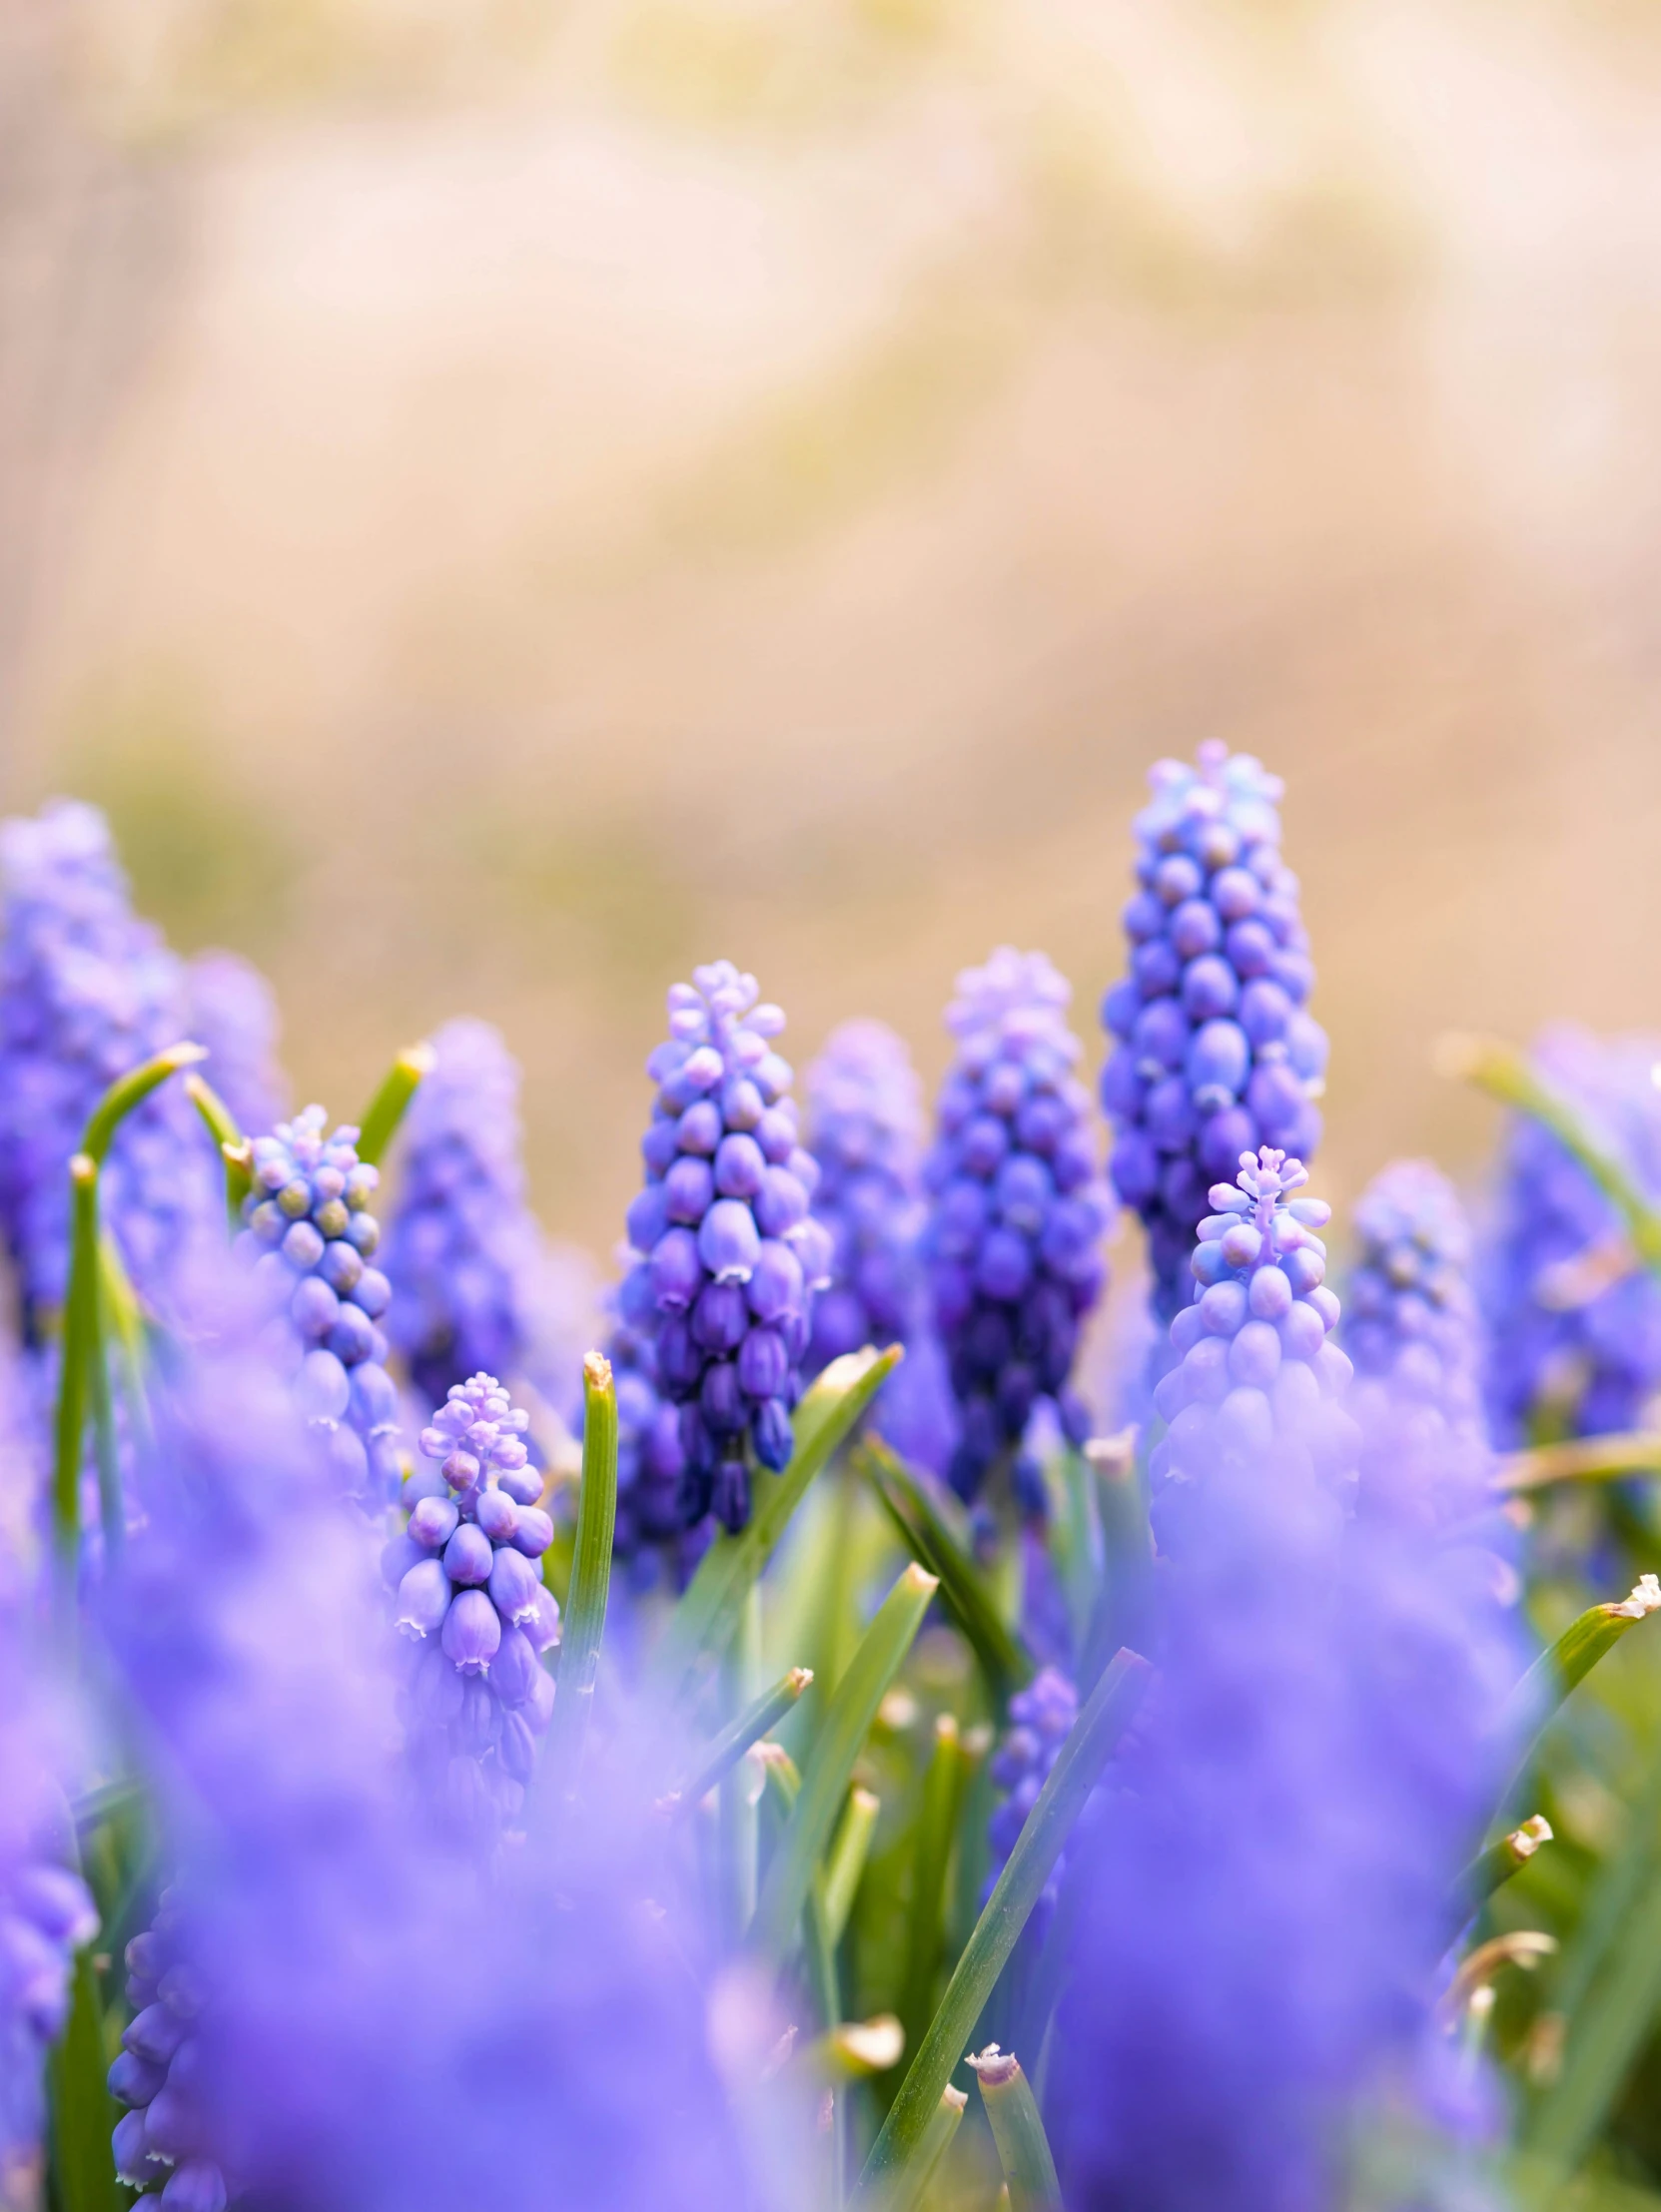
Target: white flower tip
1645,1598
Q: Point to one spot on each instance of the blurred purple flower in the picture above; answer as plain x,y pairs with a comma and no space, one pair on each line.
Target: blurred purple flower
1265,1895
1018,1211
1574,1321
1214,1051
233,1012
476,1285
87,991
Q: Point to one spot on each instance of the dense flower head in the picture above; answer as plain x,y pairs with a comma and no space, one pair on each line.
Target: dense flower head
1041,1719
1411,1329
865,1128
233,1012
87,991
1019,1208
477,1287
469,1595
650,1462
1574,1320
1214,1052
1255,1364
1314,1766
309,1221
163,2140
729,1254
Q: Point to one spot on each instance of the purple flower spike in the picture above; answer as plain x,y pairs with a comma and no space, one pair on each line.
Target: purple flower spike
1020,1210
310,1232
476,1285
1410,1326
713,1321
1214,1053
484,1594
87,991
1574,1319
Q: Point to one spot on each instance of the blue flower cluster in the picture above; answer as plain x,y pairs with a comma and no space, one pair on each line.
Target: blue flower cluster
470,1598
729,1252
1411,1329
233,1013
1255,1364
1019,1210
650,1462
477,1287
865,1128
1318,1759
309,1221
163,2141
1574,1322
1041,1719
1214,1053
86,993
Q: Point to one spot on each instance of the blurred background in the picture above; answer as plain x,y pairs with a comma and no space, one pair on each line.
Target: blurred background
502,499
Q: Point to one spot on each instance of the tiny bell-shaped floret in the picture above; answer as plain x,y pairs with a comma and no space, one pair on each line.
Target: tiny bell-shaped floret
163,2140
727,1247
1213,1051
1019,1209
1040,1717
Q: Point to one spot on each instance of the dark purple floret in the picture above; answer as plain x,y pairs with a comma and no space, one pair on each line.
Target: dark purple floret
1214,1053
87,991
1574,1321
729,1255
1019,1210
1040,1717
477,1287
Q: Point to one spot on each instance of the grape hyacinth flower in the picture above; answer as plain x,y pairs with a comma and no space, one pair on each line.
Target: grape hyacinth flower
470,1594
1255,1365
729,1254
1313,1767
308,1218
650,1463
233,1012
1574,1321
1214,1052
87,991
1019,1210
162,2141
1040,1717
477,1287
865,1128
1412,1331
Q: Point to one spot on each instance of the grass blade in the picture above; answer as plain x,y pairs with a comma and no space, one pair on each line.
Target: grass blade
1580,1459
390,1102
736,1739
931,1853
1603,2038
847,1722
584,1623
130,1090
83,2111
1004,1657
1017,2129
1534,1702
1112,1706
234,1148
905,2188
704,1621
1492,1869
845,1862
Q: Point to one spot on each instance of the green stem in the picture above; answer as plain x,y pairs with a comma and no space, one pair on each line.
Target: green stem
1493,1868
845,1861
1535,1701
584,1625
908,2187
387,1108
736,1739
847,1722
702,1624
83,2111
1017,2129
783,1784
1110,1708
130,1090
1581,1459
80,1348
235,1151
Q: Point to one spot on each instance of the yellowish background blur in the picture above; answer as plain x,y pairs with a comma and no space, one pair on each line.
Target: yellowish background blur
502,499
